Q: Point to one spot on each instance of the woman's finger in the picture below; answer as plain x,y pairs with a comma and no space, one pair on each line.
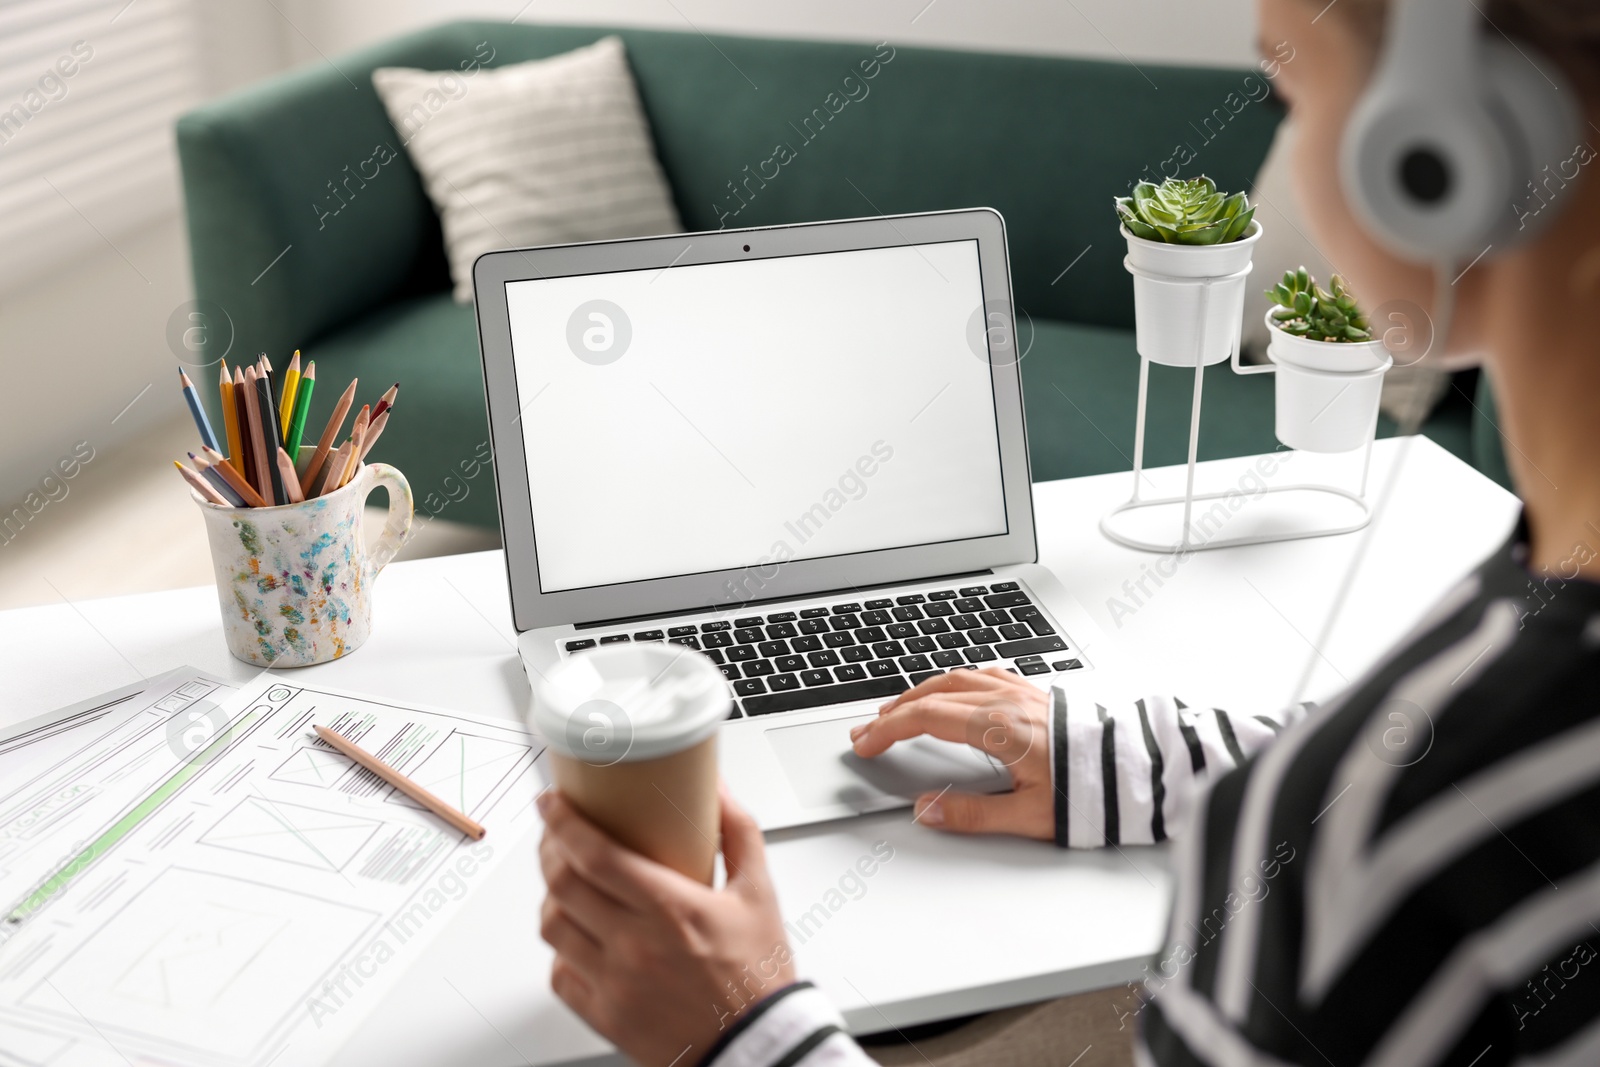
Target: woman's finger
593,911
576,992
1024,813
744,849
571,942
949,681
948,717
620,873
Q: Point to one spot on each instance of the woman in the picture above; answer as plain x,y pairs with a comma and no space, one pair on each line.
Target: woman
1439,912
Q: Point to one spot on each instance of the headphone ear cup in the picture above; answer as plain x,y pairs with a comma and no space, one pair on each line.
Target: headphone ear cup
1442,177
1538,107
1430,175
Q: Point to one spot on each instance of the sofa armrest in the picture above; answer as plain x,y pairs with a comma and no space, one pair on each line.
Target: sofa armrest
304,211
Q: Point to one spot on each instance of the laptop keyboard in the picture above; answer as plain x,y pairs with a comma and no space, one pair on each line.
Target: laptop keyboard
870,649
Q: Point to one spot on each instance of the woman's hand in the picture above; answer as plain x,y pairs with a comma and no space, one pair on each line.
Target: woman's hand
657,963
991,710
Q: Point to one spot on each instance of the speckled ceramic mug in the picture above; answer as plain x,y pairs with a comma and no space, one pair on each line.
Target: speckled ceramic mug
295,581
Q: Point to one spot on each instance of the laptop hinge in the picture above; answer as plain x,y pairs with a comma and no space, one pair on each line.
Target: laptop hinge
746,605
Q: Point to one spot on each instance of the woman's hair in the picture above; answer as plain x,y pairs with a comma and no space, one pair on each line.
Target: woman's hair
1568,30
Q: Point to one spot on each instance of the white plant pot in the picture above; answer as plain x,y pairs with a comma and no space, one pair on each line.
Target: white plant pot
1327,391
1170,295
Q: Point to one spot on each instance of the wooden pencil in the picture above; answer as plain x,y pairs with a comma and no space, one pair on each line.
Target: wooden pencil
291,483
254,384
270,441
411,789
358,434
216,481
247,459
197,410
333,469
291,383
252,499
200,485
373,432
271,377
302,409
329,434
386,401
230,416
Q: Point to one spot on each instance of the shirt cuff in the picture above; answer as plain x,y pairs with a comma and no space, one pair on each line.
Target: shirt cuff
1056,738
784,1028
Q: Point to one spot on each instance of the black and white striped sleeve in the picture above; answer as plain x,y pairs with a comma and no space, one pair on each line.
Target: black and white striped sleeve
1412,877
795,1027
1129,773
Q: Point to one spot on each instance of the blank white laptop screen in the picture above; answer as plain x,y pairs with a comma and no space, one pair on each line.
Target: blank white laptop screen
724,415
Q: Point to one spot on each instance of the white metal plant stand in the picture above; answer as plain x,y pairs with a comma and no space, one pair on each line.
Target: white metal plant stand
1187,542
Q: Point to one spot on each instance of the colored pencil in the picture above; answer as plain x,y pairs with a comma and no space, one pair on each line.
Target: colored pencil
270,440
291,484
200,485
254,385
372,433
358,434
271,376
247,459
251,498
386,401
350,461
198,410
329,433
302,410
333,469
230,416
217,481
401,782
291,383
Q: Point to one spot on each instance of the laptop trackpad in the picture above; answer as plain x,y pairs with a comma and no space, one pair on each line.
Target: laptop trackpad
824,771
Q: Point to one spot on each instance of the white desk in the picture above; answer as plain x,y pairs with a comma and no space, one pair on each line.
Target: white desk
950,926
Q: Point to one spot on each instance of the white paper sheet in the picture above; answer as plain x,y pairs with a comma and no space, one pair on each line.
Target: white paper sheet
188,877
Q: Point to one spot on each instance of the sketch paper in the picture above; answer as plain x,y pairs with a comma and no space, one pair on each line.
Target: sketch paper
188,876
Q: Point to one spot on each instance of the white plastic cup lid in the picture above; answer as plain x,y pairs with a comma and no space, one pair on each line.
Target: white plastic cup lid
629,702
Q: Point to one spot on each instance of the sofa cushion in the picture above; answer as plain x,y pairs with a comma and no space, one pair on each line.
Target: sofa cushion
551,151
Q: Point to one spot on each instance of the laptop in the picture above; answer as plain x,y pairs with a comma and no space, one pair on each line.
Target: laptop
798,450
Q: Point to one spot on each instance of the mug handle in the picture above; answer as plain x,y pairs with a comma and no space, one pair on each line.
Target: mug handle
402,512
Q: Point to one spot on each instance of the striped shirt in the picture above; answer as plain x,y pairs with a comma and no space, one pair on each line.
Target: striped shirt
1409,875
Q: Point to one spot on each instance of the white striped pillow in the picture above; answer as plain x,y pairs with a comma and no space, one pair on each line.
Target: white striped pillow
544,152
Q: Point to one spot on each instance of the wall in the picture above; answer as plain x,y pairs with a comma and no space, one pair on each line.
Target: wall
1219,32
80,341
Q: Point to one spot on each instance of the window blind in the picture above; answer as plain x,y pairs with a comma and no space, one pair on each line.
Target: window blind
89,90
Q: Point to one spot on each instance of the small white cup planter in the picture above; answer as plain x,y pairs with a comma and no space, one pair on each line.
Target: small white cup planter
1188,300
1189,310
1327,391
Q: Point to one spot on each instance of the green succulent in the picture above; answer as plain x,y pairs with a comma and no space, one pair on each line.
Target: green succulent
1305,309
1188,211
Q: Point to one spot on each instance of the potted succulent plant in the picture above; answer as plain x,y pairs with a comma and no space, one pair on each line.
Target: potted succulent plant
1329,366
1189,248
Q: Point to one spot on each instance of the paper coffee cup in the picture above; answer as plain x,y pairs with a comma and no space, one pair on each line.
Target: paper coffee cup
632,736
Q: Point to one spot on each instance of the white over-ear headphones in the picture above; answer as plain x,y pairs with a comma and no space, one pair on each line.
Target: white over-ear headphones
1444,157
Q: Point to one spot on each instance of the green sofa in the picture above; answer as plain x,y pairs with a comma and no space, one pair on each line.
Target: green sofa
302,245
